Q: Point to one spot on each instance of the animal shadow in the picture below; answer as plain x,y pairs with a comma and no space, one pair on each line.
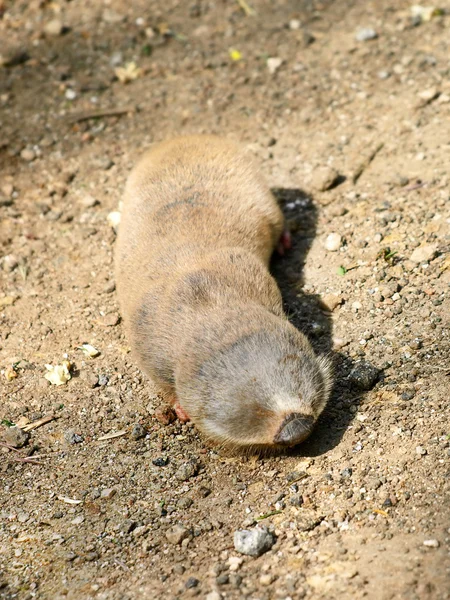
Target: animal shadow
309,316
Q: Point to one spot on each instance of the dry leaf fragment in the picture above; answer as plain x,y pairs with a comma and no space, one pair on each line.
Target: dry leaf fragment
10,373
425,13
7,301
58,374
89,350
128,73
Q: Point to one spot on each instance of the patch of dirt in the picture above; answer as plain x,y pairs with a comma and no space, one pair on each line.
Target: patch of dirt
361,510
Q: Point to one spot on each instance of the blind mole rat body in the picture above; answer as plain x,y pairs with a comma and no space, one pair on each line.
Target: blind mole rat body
203,315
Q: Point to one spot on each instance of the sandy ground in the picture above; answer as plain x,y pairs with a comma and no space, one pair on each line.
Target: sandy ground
353,134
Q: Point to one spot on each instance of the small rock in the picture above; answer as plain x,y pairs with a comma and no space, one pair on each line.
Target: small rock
138,432
73,438
111,320
165,415
28,154
213,596
23,517
420,451
89,201
108,493
187,470
104,162
347,472
363,375
223,579
185,502
423,253
365,34
160,461
333,242
296,500
16,437
253,542
325,178
77,520
91,380
294,24
431,543
235,580
427,96
234,562
273,64
103,380
177,534
192,582
331,301
10,262
266,579
127,526
54,27
109,287
7,189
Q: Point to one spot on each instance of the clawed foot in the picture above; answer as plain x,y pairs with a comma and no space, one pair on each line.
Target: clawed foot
181,413
285,243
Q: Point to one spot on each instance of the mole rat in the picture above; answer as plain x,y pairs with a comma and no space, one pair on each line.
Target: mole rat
202,313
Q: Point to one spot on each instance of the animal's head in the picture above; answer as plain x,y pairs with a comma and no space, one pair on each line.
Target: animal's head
265,391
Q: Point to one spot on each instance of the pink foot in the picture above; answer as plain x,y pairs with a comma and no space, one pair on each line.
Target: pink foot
285,242
181,413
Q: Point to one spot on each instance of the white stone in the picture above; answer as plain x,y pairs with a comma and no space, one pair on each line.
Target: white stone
333,242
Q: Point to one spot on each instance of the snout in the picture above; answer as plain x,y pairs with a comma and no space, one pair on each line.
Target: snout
294,429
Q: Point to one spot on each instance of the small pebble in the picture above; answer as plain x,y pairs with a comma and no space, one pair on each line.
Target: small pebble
187,470
325,178
138,432
109,287
365,34
103,380
333,242
73,438
331,301
89,201
10,262
28,154
364,375
111,320
54,27
177,534
431,543
253,542
273,64
108,493
420,451
424,253
160,461
16,437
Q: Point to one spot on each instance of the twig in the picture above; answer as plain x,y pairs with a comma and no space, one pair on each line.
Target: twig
39,422
249,11
96,114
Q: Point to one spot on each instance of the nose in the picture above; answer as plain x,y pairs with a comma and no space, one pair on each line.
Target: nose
294,429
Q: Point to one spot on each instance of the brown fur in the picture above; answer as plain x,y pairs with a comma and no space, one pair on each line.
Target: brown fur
203,314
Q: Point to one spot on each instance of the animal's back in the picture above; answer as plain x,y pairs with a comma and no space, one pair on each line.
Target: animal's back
190,196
